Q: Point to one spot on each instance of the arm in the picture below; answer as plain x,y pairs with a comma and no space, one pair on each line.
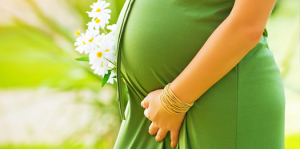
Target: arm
235,37
226,46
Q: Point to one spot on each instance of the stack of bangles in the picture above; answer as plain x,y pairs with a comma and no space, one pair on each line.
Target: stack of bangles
171,103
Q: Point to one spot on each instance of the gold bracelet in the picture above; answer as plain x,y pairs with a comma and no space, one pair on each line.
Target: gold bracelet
171,103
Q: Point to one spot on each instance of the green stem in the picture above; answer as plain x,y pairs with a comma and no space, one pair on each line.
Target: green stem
105,31
110,61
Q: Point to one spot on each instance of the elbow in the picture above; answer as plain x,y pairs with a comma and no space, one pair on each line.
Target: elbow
254,34
250,32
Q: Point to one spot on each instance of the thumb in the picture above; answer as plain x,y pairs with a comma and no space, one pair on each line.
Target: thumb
145,102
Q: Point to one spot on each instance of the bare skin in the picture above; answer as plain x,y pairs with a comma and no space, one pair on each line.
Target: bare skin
222,51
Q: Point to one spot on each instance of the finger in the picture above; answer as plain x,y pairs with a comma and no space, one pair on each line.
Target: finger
174,138
147,114
153,129
142,104
161,134
145,102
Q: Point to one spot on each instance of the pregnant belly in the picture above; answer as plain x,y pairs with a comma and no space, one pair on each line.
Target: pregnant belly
161,37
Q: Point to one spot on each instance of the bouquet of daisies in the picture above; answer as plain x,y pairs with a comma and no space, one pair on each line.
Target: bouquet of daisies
99,47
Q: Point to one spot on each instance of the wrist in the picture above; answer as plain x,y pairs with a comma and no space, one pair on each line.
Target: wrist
171,103
178,94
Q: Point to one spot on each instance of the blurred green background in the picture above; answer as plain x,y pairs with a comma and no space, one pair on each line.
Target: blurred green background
49,100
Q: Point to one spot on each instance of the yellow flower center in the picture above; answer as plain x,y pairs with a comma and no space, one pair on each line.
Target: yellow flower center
102,64
98,10
106,50
97,20
109,67
83,42
77,33
91,39
99,54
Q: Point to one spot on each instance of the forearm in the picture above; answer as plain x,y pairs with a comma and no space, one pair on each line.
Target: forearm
222,51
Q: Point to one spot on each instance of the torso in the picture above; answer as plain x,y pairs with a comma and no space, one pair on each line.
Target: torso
161,37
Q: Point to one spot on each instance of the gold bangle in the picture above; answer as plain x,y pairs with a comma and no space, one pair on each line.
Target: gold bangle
171,103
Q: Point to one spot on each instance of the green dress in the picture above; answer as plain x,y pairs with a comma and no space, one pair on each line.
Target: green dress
155,40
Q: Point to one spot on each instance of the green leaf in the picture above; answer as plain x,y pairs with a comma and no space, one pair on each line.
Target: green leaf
105,78
83,59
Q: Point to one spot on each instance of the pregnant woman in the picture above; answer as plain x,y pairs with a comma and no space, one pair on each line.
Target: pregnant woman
214,57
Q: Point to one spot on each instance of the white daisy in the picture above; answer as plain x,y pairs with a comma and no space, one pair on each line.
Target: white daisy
100,70
108,40
102,36
99,22
80,43
98,61
92,39
99,9
108,44
88,41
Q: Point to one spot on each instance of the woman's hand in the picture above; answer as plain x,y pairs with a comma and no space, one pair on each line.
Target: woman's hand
162,121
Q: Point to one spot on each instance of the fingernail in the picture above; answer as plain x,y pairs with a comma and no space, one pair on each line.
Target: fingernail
142,103
172,145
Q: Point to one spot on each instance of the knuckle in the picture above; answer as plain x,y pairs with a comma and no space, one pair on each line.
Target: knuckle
174,129
169,128
158,125
174,139
163,126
